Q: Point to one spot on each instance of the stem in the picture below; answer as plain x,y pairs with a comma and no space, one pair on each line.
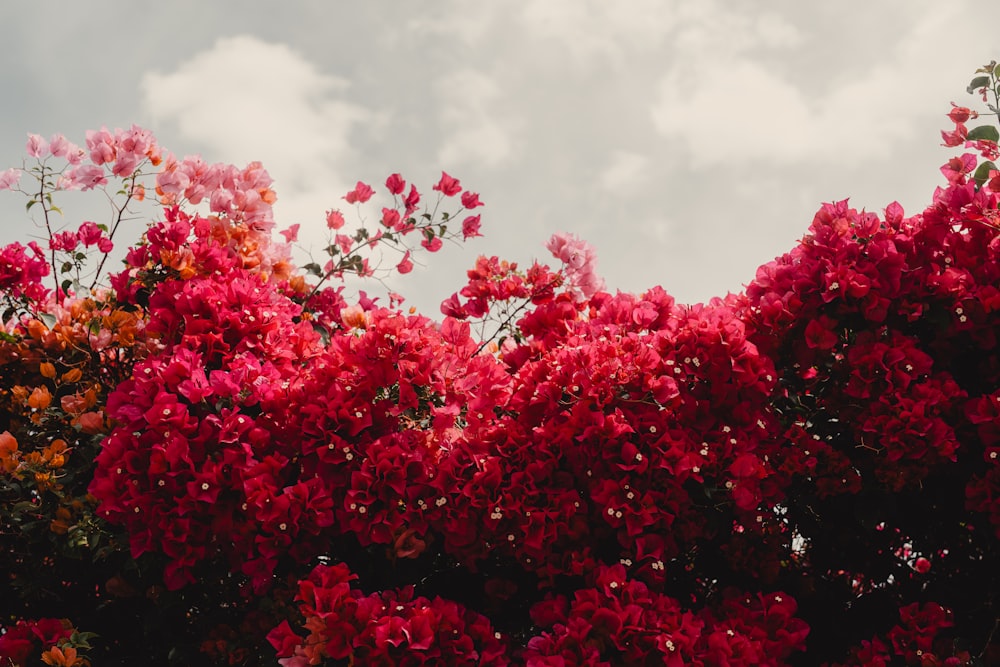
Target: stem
989,640
48,228
114,228
506,322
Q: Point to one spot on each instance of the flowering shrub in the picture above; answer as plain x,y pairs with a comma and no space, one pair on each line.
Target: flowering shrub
214,456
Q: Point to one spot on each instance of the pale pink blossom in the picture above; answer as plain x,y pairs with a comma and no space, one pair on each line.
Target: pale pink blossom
59,146
221,200
579,259
37,146
9,179
86,177
172,181
101,145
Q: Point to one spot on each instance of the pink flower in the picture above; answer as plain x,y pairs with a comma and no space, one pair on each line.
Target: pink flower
334,219
578,258
395,184
64,241
37,146
470,227
221,200
90,233
955,137
101,146
344,242
405,266
59,146
432,244
86,177
957,167
448,186
961,114
360,194
9,179
390,217
471,199
291,234
412,200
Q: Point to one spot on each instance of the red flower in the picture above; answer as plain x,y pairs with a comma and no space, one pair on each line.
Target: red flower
448,186
361,193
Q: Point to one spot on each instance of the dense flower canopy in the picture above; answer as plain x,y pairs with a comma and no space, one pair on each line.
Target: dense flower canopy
266,468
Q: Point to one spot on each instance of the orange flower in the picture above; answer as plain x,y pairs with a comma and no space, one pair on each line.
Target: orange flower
62,657
40,398
60,525
47,369
8,452
355,317
37,329
90,423
55,454
72,375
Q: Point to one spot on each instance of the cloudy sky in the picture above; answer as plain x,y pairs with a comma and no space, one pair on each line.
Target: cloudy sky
689,142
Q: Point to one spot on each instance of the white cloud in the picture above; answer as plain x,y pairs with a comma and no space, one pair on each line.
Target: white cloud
731,98
245,99
595,28
625,172
474,127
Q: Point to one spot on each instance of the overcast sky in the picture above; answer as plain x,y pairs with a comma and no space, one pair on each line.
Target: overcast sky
689,142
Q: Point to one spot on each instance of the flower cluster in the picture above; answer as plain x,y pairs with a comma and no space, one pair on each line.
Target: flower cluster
21,272
580,259
53,640
267,469
388,628
621,622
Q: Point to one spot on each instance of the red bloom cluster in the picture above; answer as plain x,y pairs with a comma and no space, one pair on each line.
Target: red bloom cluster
21,273
26,640
390,628
192,469
621,622
619,480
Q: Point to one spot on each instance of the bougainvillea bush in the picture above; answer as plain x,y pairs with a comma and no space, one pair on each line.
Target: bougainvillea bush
212,455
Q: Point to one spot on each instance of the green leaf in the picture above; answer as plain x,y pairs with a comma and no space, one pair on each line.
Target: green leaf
987,132
7,338
996,71
30,203
983,172
978,82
